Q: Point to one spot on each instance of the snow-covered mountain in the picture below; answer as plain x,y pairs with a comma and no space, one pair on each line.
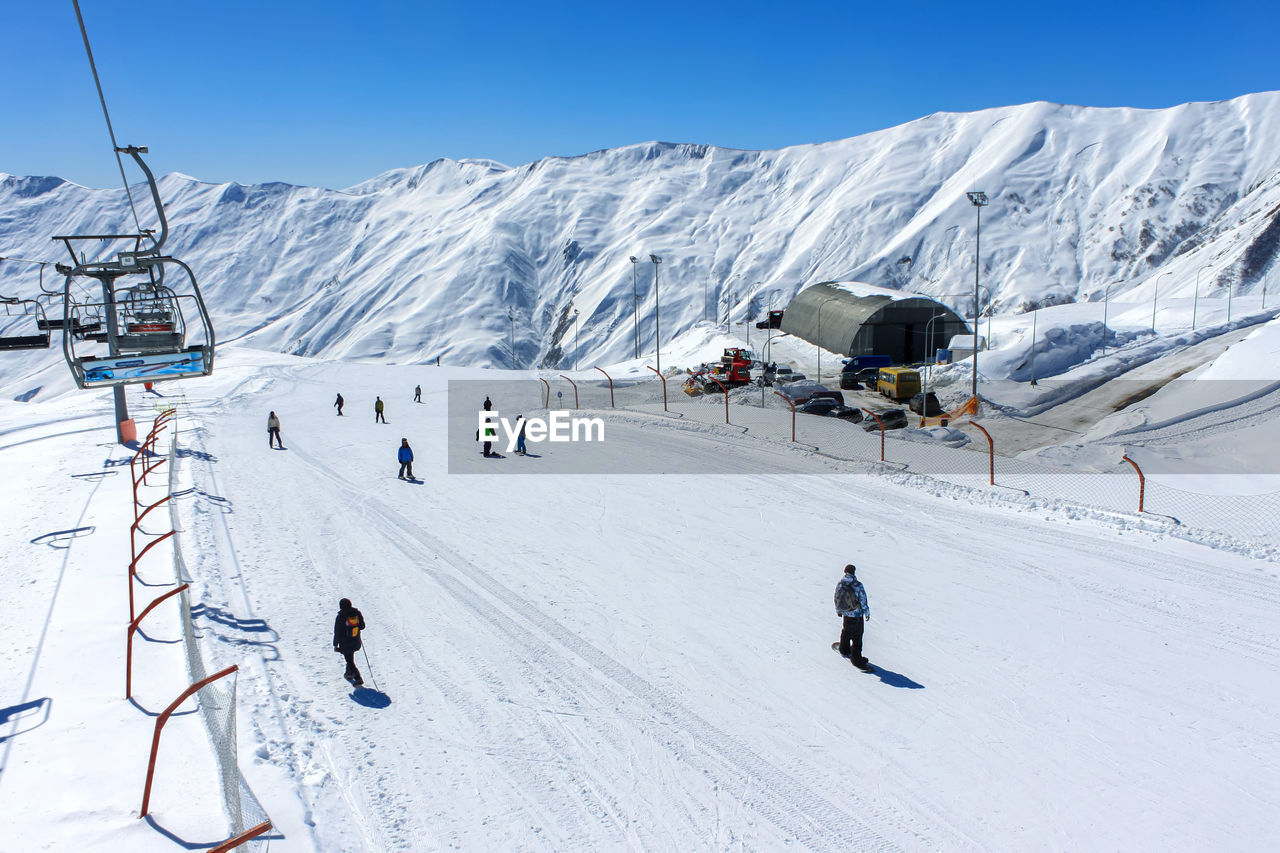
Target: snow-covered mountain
428,261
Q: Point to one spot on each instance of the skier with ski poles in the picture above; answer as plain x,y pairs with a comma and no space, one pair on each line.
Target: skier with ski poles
347,626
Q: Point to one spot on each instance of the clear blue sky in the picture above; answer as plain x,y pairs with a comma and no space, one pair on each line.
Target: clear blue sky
331,93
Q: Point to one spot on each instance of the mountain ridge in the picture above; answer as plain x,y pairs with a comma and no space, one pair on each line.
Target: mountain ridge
426,261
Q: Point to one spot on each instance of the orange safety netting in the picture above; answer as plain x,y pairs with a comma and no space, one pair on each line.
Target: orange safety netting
968,407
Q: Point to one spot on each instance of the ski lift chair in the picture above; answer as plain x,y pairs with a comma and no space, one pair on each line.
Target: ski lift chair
152,321
24,308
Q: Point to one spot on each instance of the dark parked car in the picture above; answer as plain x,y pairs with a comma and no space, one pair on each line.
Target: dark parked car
925,404
868,377
849,382
827,407
827,394
846,413
892,418
817,407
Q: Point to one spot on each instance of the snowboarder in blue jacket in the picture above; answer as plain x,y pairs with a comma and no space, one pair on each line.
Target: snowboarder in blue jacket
851,604
406,459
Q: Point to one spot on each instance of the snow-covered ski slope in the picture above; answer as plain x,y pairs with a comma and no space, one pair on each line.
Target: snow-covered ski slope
609,662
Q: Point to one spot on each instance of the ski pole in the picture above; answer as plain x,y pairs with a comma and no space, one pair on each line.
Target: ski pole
369,666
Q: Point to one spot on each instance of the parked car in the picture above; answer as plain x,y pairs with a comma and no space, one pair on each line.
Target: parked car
925,403
802,391
772,374
786,374
829,408
892,418
849,381
827,394
846,413
816,407
869,377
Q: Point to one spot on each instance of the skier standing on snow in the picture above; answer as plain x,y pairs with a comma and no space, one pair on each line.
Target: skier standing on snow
339,403
347,626
378,406
273,431
406,458
851,604
488,404
417,394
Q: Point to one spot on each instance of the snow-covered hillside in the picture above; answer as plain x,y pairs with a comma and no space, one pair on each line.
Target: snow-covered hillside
427,261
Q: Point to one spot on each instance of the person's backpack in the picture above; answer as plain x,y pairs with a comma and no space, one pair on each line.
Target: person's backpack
846,598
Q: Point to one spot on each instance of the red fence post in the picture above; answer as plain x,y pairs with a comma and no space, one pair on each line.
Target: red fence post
247,835
1142,482
881,422
610,378
164,718
726,396
546,404
664,388
133,626
793,412
133,551
133,566
575,389
991,443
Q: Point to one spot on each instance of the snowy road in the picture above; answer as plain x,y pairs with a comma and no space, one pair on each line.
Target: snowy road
641,662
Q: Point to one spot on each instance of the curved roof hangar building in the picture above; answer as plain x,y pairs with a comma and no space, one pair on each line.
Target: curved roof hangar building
854,318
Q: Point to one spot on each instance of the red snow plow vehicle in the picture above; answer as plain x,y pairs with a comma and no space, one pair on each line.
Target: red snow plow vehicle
733,370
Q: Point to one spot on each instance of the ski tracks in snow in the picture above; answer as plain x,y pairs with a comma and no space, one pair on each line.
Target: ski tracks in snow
581,676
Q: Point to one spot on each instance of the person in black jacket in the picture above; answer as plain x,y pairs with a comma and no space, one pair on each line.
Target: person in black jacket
346,638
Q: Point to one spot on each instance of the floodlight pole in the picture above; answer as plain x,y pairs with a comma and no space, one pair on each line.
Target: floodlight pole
1195,300
1034,314
635,295
979,200
928,339
1155,292
511,320
1106,298
657,328
576,344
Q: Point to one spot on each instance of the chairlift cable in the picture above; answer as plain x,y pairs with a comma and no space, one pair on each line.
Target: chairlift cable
115,147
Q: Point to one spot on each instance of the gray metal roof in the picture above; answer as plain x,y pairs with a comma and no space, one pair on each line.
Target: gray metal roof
858,319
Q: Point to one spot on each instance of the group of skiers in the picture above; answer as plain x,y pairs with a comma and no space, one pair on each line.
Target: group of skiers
850,596
490,434
404,454
379,407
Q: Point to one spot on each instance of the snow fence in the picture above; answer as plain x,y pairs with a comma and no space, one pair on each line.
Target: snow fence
940,459
217,701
